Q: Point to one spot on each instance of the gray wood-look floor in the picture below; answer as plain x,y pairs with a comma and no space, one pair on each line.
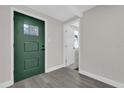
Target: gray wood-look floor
61,78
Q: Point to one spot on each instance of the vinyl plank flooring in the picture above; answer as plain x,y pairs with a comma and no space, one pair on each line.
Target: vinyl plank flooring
61,78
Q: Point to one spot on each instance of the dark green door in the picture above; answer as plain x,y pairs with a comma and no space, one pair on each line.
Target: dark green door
29,46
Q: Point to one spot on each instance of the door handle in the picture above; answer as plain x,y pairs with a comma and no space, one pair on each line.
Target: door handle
43,49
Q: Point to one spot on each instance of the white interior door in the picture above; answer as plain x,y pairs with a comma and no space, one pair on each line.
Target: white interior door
68,45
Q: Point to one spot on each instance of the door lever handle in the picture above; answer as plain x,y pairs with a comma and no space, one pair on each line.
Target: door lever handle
42,49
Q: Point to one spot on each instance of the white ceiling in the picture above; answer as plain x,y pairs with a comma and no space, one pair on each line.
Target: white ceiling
62,12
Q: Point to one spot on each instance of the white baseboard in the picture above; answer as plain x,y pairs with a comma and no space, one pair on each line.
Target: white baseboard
6,84
103,79
54,68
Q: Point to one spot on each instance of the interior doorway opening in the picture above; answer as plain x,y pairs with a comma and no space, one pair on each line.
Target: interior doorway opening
71,44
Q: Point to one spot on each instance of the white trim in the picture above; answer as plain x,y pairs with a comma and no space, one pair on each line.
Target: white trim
64,26
12,49
103,79
79,64
12,39
6,84
54,68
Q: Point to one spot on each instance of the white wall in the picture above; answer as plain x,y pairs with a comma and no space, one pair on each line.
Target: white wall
5,36
102,42
54,41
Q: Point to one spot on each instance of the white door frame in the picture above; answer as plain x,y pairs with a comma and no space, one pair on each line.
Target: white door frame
12,38
64,26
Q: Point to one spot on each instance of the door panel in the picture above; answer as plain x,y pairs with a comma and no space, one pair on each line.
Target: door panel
28,46
69,45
